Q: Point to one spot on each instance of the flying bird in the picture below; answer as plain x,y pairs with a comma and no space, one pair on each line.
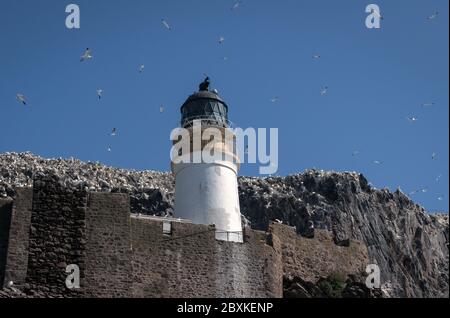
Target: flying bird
99,93
440,198
274,99
87,55
316,56
355,153
324,90
141,68
221,40
427,104
423,190
21,98
433,16
412,119
236,5
377,162
161,109
433,155
166,25
113,132
109,148
377,14
438,178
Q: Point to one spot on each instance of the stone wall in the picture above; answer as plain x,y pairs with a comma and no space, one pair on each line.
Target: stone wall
108,247
124,255
252,269
190,262
318,257
17,258
5,220
57,236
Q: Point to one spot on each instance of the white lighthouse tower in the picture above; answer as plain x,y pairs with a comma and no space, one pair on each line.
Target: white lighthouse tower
206,191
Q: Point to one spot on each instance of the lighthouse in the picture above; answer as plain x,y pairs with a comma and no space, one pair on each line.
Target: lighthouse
206,190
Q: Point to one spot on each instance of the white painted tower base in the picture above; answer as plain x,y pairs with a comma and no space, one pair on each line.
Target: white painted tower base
207,193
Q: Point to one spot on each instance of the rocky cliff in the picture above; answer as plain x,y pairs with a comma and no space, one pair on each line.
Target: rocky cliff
409,245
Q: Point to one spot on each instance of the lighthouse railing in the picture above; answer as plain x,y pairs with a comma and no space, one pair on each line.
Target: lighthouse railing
230,236
211,121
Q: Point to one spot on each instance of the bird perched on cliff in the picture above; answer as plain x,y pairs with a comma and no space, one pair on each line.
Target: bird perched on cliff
99,93
21,98
87,55
278,221
166,25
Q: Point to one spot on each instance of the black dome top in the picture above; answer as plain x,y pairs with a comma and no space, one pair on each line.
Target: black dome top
206,106
203,95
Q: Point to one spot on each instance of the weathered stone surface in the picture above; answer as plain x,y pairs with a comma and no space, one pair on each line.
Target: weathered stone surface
192,263
108,246
120,255
19,230
5,220
409,245
312,258
57,235
332,286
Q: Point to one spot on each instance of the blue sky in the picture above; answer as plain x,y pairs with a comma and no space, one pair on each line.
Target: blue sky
376,79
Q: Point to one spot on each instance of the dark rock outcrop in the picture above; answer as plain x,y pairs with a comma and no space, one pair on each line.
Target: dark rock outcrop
333,286
409,245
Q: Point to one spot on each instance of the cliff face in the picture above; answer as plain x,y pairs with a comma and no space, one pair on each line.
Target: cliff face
409,245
